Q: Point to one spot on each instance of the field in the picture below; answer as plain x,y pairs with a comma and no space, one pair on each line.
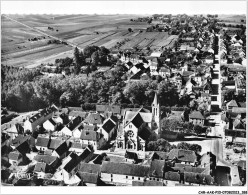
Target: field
81,30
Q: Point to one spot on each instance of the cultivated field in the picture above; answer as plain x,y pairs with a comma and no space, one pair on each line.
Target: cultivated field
81,30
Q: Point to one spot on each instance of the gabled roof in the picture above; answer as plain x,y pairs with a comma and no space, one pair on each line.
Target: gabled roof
74,123
74,161
78,145
89,135
52,121
23,148
157,168
89,127
19,139
88,177
42,141
238,124
125,169
238,110
40,167
108,125
62,148
94,118
48,159
242,104
144,133
75,113
172,176
90,168
196,115
232,103
197,178
183,155
187,168
54,143
14,156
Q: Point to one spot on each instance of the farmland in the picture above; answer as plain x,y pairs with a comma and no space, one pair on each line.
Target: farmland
82,30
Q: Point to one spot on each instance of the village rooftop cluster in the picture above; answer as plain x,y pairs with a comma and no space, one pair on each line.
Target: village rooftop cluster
202,143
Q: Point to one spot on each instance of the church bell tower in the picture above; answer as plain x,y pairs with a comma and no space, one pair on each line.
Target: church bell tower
156,112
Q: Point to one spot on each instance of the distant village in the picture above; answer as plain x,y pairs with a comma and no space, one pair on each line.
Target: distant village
116,145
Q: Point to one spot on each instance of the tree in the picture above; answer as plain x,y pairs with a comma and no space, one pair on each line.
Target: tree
183,146
198,129
196,148
169,124
78,61
95,58
130,30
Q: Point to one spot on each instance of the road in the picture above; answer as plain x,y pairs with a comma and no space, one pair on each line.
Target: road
43,33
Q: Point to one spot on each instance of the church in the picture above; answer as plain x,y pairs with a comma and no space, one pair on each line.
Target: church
138,126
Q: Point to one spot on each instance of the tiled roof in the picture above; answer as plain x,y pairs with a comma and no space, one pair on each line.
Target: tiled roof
242,104
23,148
108,108
48,159
144,133
147,183
108,125
74,123
62,148
42,141
78,145
40,167
78,113
125,169
88,177
183,155
75,160
187,168
90,168
43,112
196,115
94,118
157,168
14,155
172,176
55,143
89,135
232,103
238,110
197,178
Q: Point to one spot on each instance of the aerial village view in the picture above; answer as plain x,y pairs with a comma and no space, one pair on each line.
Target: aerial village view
123,100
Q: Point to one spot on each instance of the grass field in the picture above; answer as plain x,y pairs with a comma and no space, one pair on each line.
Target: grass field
82,30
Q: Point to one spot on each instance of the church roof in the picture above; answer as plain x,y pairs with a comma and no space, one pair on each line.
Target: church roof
155,101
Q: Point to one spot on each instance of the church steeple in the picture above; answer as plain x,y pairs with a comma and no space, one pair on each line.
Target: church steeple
156,112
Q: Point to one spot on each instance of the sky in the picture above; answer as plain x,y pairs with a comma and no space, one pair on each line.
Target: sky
123,7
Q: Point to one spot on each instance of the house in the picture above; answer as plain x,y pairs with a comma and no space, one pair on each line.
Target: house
39,118
54,143
15,158
163,72
109,128
51,161
156,54
157,170
50,124
90,138
231,104
183,156
122,174
238,124
67,171
78,147
115,109
42,143
196,118
71,126
90,174
94,119
74,114
89,179
41,169
61,150
23,148
14,130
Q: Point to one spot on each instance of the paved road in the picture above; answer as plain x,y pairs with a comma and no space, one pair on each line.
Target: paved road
43,33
